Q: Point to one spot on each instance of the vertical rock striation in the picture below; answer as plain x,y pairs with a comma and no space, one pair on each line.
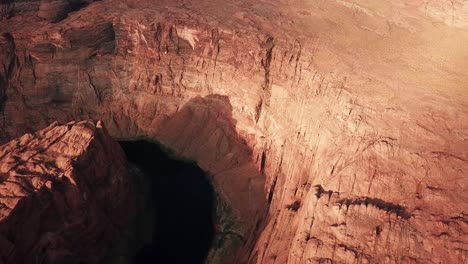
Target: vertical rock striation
341,123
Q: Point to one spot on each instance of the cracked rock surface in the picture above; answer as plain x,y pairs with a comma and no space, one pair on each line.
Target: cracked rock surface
335,131
65,195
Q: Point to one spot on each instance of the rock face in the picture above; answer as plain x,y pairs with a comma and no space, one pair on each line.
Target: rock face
334,130
54,10
65,195
6,9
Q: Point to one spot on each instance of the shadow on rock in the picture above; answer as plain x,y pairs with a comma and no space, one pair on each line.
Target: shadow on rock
204,130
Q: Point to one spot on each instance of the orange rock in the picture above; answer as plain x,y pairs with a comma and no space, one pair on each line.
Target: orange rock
344,120
64,194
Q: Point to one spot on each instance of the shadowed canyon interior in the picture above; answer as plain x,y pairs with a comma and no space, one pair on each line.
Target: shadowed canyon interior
332,131
184,204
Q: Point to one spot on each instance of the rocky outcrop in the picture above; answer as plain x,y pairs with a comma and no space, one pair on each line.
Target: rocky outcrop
50,10
347,116
65,195
54,10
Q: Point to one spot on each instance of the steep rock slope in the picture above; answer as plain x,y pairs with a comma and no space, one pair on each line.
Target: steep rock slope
65,195
341,123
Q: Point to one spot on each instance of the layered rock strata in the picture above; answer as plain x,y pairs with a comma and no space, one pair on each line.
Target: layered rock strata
65,196
336,128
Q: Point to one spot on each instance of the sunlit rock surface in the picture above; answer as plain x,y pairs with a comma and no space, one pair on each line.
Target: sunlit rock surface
336,131
65,196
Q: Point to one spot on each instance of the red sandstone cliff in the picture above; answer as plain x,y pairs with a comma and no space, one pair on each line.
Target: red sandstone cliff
337,128
65,196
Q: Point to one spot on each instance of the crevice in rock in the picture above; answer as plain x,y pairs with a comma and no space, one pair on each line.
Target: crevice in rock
262,162
320,191
397,209
6,8
266,61
272,190
8,62
294,206
76,5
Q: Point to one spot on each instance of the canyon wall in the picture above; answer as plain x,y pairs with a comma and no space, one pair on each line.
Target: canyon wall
335,131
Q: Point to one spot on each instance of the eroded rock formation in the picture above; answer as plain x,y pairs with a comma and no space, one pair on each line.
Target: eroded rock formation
341,123
65,196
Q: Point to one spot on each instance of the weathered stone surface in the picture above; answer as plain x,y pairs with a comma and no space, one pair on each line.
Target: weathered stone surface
65,195
8,64
54,10
50,10
6,9
352,112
